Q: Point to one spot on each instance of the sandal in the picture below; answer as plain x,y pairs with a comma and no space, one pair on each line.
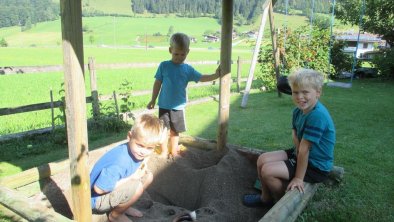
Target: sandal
254,200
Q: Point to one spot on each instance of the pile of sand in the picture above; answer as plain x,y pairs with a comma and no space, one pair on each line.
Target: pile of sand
208,182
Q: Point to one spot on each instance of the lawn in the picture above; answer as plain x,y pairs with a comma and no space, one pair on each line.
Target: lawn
364,123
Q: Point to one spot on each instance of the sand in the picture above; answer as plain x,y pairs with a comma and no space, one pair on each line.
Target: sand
208,182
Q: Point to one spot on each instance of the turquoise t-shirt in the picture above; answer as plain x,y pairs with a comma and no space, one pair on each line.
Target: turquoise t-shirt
318,128
174,79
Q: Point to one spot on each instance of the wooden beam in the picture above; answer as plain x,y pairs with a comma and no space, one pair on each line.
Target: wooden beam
77,136
28,209
255,54
275,50
225,66
290,205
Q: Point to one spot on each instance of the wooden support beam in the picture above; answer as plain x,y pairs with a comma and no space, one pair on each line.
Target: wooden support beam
290,205
225,66
255,54
28,209
77,136
275,50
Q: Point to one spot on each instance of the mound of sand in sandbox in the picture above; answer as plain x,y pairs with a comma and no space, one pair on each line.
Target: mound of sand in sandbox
210,183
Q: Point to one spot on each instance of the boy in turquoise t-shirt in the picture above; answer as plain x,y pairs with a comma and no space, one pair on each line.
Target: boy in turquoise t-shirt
172,78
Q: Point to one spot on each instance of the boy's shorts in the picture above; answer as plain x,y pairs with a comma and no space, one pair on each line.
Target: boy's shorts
312,174
173,119
109,201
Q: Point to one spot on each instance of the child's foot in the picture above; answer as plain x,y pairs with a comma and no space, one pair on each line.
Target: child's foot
163,155
133,212
254,200
120,218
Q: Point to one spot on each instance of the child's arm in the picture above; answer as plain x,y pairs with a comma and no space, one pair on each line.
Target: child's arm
295,140
155,93
302,164
207,78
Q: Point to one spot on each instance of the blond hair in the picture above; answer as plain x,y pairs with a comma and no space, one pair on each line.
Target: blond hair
149,129
306,78
180,41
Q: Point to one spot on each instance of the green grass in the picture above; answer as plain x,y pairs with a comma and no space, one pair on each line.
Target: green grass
364,124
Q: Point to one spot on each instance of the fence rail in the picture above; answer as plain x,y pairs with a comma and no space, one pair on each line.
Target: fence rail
94,98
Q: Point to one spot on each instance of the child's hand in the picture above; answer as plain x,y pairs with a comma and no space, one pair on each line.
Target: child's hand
296,183
151,105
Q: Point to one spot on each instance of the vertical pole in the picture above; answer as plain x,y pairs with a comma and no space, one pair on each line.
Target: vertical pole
52,111
255,54
239,74
75,107
116,105
93,88
225,66
275,50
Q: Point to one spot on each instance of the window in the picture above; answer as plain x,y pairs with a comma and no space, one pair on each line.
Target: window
365,45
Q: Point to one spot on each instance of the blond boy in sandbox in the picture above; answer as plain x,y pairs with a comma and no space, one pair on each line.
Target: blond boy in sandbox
120,176
313,135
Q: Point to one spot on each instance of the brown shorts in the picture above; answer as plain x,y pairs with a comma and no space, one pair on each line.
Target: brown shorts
122,194
173,119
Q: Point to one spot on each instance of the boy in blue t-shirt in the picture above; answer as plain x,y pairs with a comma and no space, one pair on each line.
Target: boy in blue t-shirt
313,134
120,176
172,78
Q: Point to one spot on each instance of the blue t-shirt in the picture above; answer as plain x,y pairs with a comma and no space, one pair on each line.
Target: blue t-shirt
318,128
174,79
113,166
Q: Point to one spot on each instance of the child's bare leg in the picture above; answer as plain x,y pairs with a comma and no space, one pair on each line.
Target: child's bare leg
273,175
269,157
164,149
120,212
174,139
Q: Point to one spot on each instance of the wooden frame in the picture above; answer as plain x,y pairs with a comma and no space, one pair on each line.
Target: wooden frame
287,209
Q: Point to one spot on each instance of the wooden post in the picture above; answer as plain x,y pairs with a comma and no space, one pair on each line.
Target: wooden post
255,54
225,66
52,111
239,74
275,50
116,105
93,88
77,136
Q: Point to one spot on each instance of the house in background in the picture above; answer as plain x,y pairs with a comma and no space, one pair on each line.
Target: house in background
367,43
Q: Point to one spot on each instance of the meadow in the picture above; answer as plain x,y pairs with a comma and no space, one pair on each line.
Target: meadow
363,147
362,114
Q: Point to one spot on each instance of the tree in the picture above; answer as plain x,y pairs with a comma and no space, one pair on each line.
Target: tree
378,16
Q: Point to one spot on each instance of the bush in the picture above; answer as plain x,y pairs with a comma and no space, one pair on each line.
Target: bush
3,43
384,63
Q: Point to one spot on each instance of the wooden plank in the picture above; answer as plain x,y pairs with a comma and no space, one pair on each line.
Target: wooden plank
28,209
275,50
74,85
255,54
290,205
34,174
225,66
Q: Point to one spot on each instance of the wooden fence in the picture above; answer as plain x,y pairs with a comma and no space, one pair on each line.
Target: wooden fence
95,98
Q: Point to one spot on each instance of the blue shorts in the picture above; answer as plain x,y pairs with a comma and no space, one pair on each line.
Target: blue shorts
312,174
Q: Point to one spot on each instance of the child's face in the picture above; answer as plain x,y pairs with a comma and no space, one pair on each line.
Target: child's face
305,98
178,55
139,149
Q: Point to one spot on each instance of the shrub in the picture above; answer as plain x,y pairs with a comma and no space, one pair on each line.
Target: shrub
3,43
